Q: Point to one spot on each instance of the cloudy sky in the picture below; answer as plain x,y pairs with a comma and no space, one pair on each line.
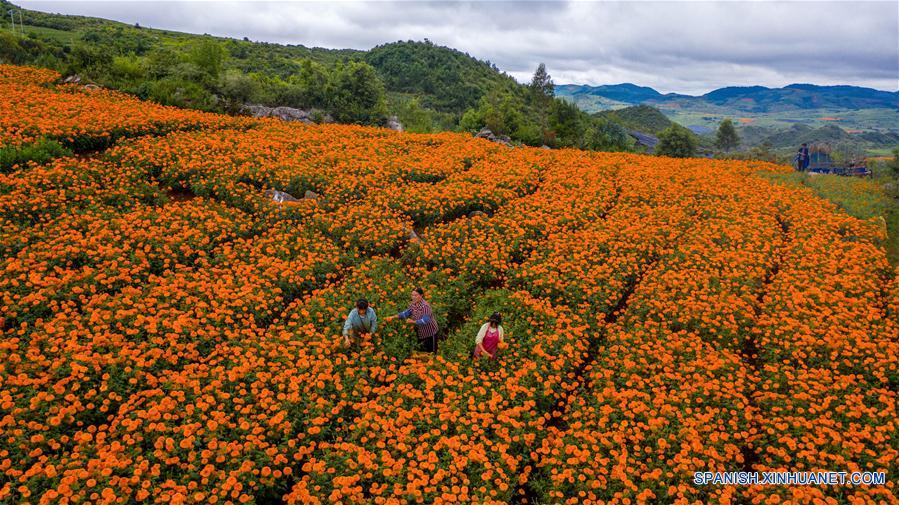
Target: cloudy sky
684,46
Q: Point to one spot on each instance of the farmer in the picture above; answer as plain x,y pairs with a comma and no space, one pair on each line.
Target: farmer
489,336
361,320
419,314
802,159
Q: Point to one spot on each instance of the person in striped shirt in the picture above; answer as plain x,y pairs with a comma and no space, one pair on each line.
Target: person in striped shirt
419,314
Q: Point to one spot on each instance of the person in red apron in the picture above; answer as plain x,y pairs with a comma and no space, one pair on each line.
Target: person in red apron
489,337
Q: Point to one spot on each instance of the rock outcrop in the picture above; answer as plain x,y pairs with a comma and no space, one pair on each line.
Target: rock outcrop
76,79
394,124
287,114
288,199
280,196
282,113
485,133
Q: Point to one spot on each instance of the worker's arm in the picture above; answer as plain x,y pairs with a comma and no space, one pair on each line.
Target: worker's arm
348,324
479,339
374,322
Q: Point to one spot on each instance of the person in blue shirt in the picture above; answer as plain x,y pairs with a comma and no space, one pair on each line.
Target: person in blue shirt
361,320
802,158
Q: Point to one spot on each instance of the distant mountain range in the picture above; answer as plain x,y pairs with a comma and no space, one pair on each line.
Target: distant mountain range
750,99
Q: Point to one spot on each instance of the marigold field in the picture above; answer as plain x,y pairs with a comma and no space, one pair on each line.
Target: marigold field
171,334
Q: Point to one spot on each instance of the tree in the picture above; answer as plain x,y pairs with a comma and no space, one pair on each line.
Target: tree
237,89
677,142
414,117
209,56
357,94
566,128
727,139
542,91
605,135
312,80
542,84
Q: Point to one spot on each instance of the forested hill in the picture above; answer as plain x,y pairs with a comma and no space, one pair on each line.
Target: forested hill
429,87
639,117
447,79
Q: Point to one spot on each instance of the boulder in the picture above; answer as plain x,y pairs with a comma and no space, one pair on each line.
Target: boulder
476,213
485,133
394,124
311,195
90,86
280,196
72,79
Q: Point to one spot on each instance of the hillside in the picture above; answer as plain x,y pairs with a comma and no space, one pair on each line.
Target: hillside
171,333
622,93
446,79
642,118
427,87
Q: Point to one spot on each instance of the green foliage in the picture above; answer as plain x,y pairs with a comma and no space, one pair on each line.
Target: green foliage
356,94
677,142
893,164
418,119
308,87
160,61
10,50
604,135
209,56
118,40
237,89
180,92
726,137
503,113
87,60
127,69
41,151
567,124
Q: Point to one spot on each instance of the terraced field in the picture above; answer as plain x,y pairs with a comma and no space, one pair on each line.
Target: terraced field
171,335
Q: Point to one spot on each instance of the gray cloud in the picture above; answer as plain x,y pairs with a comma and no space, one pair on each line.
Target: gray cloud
684,46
